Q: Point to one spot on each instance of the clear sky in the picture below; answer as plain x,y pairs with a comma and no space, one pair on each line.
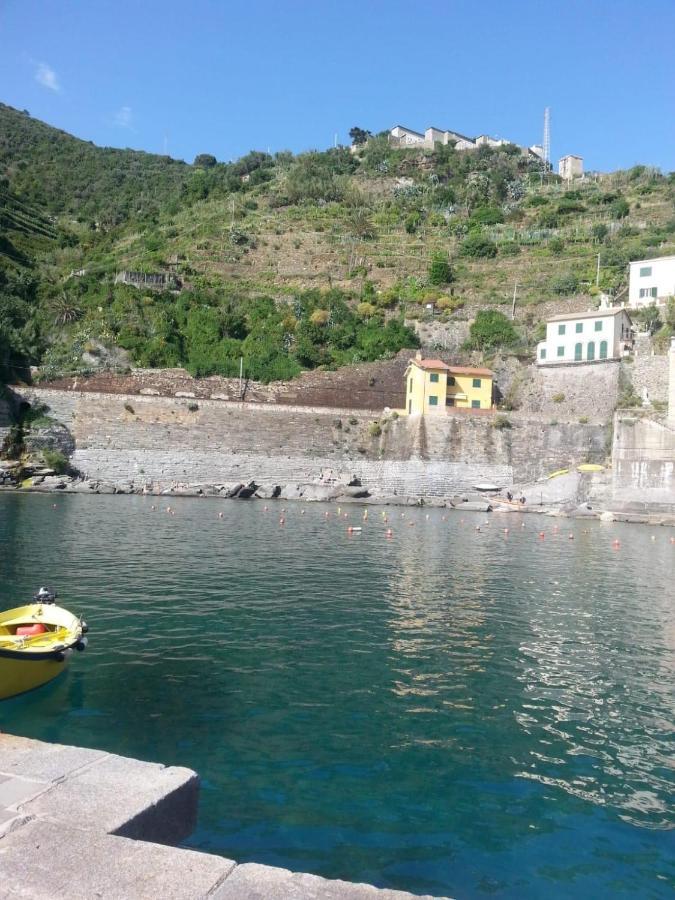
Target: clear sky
202,76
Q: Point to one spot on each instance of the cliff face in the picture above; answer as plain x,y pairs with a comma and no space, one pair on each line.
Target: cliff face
167,439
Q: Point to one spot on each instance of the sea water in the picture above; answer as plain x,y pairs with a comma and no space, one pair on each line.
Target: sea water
446,710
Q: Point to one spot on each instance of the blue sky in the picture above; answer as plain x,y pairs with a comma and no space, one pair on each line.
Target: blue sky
226,77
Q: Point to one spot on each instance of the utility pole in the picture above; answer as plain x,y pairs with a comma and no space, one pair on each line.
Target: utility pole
597,273
241,376
513,305
232,219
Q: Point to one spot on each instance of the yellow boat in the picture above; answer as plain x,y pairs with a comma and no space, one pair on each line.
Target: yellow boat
590,467
36,641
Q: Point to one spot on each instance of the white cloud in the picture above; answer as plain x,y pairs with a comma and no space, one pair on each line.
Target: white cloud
46,76
124,117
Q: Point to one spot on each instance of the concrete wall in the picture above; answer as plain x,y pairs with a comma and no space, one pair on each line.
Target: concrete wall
161,439
649,375
643,463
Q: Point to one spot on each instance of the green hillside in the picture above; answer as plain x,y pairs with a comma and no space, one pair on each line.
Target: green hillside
295,262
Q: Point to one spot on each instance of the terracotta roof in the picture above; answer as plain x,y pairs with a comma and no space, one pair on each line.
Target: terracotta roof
589,314
470,370
430,364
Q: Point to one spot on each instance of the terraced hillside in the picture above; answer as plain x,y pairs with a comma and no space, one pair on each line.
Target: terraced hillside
299,262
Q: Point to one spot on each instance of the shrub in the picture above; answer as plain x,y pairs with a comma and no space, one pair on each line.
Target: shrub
558,398
501,422
486,215
583,420
477,246
55,460
491,329
599,232
565,284
412,222
375,429
548,219
129,408
193,407
509,248
440,271
556,246
619,209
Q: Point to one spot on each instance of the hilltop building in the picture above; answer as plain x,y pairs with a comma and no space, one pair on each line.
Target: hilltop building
434,387
570,167
593,336
400,136
651,282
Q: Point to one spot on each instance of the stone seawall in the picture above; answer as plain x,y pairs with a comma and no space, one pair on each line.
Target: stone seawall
643,463
161,439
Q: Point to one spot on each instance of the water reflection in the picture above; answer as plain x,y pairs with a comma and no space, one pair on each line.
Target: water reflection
445,710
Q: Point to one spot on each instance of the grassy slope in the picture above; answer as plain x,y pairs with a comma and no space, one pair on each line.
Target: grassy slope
67,204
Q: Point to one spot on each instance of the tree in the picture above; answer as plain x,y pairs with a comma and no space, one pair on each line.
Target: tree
619,209
490,330
440,271
599,232
205,161
358,135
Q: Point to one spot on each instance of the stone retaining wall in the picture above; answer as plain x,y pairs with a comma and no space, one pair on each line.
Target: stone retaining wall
142,439
643,463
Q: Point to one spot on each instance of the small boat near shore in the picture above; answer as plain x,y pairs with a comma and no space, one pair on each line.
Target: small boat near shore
36,641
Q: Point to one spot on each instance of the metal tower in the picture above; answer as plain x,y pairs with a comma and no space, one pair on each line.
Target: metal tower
547,140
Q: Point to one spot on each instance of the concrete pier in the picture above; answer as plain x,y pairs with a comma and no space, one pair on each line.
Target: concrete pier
77,823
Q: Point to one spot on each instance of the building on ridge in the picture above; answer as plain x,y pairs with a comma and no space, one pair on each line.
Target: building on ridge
433,387
651,281
570,167
598,335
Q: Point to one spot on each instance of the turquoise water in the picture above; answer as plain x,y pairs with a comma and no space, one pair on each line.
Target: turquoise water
446,711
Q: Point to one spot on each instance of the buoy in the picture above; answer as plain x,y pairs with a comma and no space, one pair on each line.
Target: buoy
522,524
477,527
542,534
506,531
173,513
444,518
352,528
153,507
389,532
570,536
302,512
365,514
427,515
653,537
327,515
616,543
345,515
411,524
264,509
282,520
220,515
168,509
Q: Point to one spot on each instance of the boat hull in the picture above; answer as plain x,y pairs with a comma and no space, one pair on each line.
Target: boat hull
20,675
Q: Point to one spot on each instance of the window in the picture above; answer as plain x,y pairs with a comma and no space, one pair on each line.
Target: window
648,292
451,380
598,325
579,328
645,271
578,352
603,349
590,350
449,401
475,404
476,382
561,329
434,377
542,353
410,386
561,351
409,406
433,400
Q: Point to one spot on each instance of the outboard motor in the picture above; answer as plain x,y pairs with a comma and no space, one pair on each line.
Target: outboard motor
44,595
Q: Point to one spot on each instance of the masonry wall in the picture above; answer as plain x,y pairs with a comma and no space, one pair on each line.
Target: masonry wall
643,462
5,419
140,438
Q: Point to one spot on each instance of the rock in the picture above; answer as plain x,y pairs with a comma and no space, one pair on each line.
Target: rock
105,487
354,492
81,487
268,491
247,491
149,392
292,492
319,492
190,395
476,506
233,490
607,516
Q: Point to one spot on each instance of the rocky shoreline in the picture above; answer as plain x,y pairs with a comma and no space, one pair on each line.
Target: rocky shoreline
563,506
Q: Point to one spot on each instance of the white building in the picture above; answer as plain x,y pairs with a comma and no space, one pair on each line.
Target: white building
570,167
651,282
598,334
406,137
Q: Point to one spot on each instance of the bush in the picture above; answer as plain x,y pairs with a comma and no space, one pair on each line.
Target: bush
477,246
486,215
375,429
509,248
501,422
55,460
565,284
619,209
490,330
556,246
558,398
548,219
599,232
440,271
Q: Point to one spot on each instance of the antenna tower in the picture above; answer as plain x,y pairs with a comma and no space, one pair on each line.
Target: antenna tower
546,159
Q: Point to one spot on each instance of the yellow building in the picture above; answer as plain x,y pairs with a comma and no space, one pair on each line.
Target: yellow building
434,387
